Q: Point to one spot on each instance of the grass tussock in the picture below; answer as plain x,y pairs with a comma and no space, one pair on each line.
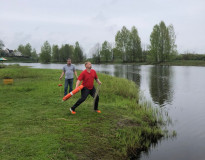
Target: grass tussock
36,124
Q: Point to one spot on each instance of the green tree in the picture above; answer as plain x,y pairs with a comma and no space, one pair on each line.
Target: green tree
66,51
1,48
65,54
155,44
117,56
27,50
162,40
45,55
72,50
34,55
106,52
55,53
78,53
21,49
95,51
173,45
135,46
122,42
145,52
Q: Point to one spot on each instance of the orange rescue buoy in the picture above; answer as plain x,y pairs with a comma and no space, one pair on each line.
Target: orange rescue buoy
72,93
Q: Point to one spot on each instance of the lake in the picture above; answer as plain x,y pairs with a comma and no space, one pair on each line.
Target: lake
179,90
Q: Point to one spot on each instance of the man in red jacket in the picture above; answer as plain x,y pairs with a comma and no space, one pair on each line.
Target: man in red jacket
87,76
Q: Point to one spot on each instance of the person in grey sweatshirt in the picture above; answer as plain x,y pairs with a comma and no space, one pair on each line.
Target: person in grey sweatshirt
68,71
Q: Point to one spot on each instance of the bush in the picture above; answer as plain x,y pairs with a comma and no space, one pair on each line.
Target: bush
191,56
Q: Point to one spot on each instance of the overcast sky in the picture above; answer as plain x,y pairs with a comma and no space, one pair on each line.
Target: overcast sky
93,21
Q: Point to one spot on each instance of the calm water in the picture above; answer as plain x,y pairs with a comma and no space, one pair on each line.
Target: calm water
178,90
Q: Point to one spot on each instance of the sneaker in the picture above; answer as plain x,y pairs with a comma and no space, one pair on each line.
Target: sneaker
98,111
72,112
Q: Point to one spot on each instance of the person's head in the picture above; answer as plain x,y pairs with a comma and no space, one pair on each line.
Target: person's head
88,65
68,61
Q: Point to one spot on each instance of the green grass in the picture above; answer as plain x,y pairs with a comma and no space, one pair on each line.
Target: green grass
170,63
36,124
21,59
184,63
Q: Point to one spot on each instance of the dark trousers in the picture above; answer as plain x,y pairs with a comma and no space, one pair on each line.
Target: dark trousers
70,83
84,94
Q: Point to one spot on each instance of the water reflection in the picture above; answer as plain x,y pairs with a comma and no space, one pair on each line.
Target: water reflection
161,84
131,72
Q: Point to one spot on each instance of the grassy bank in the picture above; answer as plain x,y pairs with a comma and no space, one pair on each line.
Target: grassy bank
176,63
184,63
36,124
170,63
21,59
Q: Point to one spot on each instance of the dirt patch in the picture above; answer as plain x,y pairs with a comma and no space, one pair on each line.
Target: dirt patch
127,123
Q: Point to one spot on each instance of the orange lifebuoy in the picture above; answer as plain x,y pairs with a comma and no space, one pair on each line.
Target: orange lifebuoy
72,93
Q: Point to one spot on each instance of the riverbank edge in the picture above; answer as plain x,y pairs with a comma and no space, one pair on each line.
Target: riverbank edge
130,129
169,63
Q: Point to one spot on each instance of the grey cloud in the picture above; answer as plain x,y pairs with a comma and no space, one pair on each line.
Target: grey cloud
99,18
90,22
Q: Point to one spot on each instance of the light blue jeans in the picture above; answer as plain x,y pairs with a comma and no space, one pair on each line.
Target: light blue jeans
70,83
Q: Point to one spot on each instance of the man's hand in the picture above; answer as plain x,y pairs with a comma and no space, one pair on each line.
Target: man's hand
98,81
62,74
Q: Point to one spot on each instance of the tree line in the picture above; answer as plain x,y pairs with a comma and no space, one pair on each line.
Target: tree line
54,53
50,53
27,51
1,47
128,47
61,54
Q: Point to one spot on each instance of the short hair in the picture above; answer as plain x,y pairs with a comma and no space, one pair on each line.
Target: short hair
87,63
68,59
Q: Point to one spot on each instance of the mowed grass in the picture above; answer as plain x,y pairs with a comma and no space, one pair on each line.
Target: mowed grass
36,124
